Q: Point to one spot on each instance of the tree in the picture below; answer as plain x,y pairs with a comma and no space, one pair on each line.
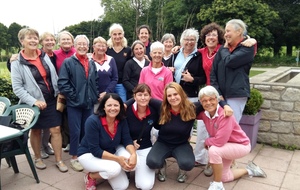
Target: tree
3,39
13,41
257,15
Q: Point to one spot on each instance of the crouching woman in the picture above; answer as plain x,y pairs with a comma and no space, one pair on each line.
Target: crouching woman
226,142
107,150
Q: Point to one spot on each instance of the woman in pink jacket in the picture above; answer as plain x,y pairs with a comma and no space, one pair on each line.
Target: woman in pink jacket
226,141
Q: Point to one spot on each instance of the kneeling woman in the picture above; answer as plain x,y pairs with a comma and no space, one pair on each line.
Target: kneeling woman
102,151
226,143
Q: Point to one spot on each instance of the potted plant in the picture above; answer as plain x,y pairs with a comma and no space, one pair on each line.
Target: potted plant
251,116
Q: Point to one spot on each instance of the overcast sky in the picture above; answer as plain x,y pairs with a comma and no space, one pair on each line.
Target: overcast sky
49,15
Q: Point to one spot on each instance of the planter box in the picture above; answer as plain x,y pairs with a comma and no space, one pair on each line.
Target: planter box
250,124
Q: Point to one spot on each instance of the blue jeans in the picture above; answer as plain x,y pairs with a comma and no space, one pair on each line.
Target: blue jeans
182,153
76,120
121,91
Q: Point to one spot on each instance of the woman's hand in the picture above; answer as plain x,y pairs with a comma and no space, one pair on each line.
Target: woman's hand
249,42
123,163
227,111
40,104
175,49
187,77
101,95
172,69
132,161
136,145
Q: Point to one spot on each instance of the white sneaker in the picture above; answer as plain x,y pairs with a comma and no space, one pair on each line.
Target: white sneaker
216,186
67,148
76,166
255,170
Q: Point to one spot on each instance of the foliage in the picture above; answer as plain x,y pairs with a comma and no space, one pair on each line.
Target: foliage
13,41
6,90
254,102
255,14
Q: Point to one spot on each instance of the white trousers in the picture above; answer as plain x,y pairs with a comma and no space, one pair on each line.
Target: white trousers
201,154
237,105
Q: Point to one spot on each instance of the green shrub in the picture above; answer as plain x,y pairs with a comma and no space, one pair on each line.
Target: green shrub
254,102
6,90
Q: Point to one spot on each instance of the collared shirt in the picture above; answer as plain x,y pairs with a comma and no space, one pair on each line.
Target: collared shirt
135,111
105,125
180,63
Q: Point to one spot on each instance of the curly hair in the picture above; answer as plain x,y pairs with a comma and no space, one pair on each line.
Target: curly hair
209,28
187,108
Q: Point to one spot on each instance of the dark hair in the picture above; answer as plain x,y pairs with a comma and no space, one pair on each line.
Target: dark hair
210,27
142,88
141,27
101,111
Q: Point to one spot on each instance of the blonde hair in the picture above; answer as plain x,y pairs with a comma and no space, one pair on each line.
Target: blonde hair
64,32
113,27
187,108
99,39
45,35
27,31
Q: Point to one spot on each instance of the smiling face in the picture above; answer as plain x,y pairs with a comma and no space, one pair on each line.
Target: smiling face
144,35
209,104
100,48
81,46
111,108
173,98
157,55
211,39
142,98
189,43
168,45
30,42
48,43
232,36
117,36
66,42
139,51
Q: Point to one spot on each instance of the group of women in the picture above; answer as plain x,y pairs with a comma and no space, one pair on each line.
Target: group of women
107,143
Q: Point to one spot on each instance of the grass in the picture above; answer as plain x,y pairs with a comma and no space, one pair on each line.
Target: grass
4,72
253,73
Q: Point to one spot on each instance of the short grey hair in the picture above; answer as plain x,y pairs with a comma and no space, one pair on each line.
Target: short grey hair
189,32
81,36
157,45
168,36
64,32
238,24
209,91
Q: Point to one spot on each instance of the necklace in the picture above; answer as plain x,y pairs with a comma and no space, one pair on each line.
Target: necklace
210,57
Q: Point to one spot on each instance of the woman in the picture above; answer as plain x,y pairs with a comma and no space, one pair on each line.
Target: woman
34,81
102,150
226,142
66,43
176,121
47,41
143,33
78,83
169,42
117,48
188,68
156,75
133,67
141,118
106,68
231,67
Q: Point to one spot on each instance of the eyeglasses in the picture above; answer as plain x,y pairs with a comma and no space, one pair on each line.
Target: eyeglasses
81,44
208,100
211,35
99,46
189,40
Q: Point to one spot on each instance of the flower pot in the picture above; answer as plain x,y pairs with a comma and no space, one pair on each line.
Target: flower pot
250,124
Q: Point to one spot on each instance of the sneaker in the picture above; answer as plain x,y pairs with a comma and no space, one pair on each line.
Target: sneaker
49,150
75,165
44,155
162,173
90,184
67,148
199,164
208,171
39,164
216,186
181,176
62,166
255,170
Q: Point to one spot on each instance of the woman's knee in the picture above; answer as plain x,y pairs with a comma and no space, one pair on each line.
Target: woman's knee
146,184
55,130
114,171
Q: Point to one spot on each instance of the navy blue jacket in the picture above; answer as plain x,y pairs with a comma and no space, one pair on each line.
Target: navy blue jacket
79,90
230,71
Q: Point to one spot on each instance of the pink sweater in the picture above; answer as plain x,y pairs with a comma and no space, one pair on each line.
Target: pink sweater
61,55
156,82
223,129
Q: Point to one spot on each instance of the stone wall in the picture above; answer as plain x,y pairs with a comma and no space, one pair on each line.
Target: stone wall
280,122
